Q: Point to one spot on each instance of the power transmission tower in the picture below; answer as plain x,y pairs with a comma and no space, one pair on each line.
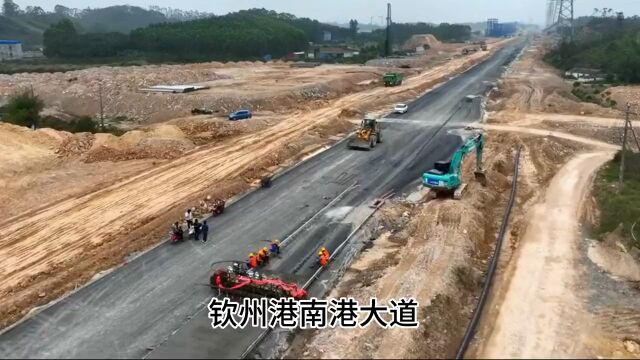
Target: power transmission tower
387,43
565,16
101,108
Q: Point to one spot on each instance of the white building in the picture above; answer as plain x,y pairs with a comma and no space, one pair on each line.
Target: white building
10,50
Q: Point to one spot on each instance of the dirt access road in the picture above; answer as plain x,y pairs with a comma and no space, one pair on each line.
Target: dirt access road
548,324
140,304
549,299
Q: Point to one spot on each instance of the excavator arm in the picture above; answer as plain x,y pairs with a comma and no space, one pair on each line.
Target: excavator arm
449,181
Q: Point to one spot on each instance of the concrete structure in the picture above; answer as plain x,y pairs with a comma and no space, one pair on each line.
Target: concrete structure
10,50
498,29
585,74
334,52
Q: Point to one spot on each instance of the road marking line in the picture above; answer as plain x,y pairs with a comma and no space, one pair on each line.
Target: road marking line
353,186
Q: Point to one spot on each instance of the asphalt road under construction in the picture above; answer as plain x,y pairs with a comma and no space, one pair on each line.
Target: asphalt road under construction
155,305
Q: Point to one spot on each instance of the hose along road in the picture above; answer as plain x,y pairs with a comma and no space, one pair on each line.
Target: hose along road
154,305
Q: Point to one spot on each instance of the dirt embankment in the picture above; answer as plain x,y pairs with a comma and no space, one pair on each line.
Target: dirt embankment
55,247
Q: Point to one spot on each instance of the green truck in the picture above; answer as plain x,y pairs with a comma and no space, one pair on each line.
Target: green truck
392,79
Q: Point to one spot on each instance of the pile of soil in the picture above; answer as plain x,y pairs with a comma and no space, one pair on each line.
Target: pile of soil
23,148
427,40
158,142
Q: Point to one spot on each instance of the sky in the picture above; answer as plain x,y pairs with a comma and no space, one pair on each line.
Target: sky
436,11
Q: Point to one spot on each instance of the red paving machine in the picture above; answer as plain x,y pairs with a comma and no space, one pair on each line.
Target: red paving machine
237,280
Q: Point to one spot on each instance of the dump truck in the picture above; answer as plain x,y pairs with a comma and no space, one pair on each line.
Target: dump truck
367,136
392,79
483,45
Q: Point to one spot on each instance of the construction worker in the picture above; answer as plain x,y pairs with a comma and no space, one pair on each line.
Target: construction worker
188,217
323,259
176,232
274,248
263,256
253,261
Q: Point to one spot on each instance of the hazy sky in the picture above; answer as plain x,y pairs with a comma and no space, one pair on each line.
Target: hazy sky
363,10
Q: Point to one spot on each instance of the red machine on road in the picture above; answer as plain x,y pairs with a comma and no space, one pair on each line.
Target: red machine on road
240,282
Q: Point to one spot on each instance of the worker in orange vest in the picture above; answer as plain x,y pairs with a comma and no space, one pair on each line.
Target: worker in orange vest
323,260
263,256
253,261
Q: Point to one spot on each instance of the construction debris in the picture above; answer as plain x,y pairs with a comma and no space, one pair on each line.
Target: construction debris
174,89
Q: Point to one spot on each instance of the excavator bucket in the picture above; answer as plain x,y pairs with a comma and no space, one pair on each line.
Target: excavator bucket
481,177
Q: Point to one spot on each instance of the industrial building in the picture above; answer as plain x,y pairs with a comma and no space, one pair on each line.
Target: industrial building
332,52
10,50
498,29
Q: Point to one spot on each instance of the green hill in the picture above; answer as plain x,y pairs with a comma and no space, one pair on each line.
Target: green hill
121,18
29,27
246,34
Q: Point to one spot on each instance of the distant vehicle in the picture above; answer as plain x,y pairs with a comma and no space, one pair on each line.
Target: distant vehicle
240,114
392,79
400,108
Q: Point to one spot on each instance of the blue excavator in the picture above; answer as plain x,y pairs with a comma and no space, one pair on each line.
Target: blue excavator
444,178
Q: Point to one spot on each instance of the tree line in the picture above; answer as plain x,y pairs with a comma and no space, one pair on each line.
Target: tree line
246,34
28,24
240,35
609,44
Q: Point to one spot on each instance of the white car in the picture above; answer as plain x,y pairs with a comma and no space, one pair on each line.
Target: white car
400,108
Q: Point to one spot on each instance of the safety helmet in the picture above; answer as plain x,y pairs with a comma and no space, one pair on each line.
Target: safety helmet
264,248
320,253
276,241
323,248
250,254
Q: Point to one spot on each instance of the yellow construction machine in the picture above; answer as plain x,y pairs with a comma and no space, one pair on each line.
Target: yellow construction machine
367,136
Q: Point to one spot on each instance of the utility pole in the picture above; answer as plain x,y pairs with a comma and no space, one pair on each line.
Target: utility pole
101,109
34,124
387,44
624,147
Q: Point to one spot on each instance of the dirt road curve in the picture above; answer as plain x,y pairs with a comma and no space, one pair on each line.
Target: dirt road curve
540,315
541,132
